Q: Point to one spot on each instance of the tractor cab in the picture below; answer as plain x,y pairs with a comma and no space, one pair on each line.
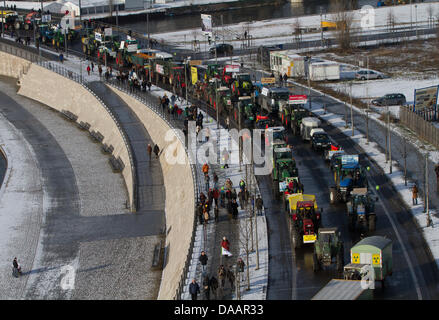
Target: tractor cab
242,86
278,139
287,168
328,246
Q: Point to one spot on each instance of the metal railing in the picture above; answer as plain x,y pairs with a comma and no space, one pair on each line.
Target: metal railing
151,101
27,53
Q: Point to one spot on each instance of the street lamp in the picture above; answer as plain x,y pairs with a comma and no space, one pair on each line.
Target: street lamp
416,19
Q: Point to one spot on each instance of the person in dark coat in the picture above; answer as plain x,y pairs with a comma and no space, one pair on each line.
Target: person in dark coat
156,151
203,259
149,148
241,267
234,209
200,213
231,278
213,284
194,289
206,287
259,204
222,275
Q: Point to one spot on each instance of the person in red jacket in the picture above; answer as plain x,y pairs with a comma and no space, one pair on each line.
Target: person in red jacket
225,244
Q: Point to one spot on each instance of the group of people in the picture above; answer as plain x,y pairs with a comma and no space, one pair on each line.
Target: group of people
294,186
170,106
205,203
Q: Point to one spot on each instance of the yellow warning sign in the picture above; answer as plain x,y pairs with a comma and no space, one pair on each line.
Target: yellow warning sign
376,259
355,258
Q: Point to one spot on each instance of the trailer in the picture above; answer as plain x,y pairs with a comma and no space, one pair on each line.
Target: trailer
338,289
307,125
288,62
322,71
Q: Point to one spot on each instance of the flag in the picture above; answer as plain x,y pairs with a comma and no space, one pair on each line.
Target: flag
225,252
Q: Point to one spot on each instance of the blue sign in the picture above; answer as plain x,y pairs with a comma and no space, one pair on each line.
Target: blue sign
349,159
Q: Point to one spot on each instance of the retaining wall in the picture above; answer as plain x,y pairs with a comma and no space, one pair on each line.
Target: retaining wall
180,197
12,66
60,94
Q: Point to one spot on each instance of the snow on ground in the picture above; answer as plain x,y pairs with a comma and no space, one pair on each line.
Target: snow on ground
280,30
258,278
21,213
376,88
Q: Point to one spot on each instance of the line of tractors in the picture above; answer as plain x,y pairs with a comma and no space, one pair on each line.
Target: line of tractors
255,105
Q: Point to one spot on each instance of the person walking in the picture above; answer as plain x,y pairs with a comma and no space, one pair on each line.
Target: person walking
207,134
16,267
225,247
61,58
100,71
241,266
222,275
205,169
415,194
259,204
207,182
149,148
200,212
203,260
156,151
213,284
88,70
92,67
206,287
215,180
194,289
234,209
285,78
206,213
225,156
149,84
231,278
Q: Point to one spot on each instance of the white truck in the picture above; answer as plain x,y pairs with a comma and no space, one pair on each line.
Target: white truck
287,61
307,125
325,70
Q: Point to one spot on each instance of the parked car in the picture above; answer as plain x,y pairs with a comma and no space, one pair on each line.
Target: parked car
222,48
391,99
368,75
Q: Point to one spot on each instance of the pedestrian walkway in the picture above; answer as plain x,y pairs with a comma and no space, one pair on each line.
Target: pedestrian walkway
149,177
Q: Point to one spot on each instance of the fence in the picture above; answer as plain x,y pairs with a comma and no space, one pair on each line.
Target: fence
419,124
151,102
42,60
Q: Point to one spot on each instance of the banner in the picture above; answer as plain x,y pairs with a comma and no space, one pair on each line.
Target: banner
194,75
206,24
159,69
298,99
195,62
232,68
426,98
268,80
108,32
98,37
224,252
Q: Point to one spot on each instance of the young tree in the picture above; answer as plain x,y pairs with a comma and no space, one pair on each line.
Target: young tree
297,31
343,19
390,20
245,231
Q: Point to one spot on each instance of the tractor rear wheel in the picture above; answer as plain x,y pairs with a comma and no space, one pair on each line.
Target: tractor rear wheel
372,223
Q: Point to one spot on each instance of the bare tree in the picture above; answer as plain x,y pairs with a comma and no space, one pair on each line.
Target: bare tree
390,20
343,20
297,31
245,230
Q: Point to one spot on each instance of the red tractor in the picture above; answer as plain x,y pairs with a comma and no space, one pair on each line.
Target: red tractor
306,219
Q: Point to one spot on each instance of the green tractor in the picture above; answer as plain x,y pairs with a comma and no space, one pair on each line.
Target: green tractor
297,114
361,211
284,168
242,85
328,249
89,46
248,111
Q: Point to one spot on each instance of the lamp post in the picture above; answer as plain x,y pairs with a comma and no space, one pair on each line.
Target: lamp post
3,18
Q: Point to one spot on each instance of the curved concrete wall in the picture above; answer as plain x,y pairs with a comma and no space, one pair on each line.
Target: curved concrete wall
61,93
12,66
180,197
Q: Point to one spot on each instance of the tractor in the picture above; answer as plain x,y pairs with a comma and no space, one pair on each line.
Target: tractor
361,211
297,114
347,176
248,111
242,85
327,248
305,219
